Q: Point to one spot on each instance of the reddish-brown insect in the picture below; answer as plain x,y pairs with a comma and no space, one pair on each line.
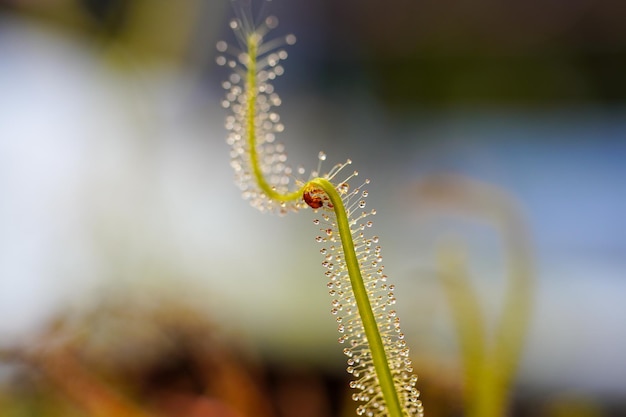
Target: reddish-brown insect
313,200
316,198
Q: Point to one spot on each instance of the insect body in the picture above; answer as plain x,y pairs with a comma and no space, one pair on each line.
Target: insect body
316,198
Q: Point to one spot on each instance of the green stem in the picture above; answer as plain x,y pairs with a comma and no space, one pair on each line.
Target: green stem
370,326
251,89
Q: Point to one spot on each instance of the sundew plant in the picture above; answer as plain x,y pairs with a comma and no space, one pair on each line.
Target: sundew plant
362,298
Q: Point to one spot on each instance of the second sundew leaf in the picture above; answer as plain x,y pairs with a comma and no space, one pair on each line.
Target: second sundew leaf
362,298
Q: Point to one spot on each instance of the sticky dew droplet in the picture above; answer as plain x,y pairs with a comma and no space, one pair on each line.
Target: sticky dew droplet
271,22
221,46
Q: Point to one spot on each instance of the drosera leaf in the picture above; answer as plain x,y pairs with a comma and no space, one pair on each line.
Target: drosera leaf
362,298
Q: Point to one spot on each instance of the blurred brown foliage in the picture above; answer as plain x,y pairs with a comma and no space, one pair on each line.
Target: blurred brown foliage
130,360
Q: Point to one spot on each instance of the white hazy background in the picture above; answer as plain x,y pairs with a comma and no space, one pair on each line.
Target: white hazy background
116,181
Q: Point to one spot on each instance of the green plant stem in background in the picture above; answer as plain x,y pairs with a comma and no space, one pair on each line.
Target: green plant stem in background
489,366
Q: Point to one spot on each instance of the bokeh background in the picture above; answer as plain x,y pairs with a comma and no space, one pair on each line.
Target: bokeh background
124,241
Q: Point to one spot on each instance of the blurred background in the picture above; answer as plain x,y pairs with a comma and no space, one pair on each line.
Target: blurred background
134,281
